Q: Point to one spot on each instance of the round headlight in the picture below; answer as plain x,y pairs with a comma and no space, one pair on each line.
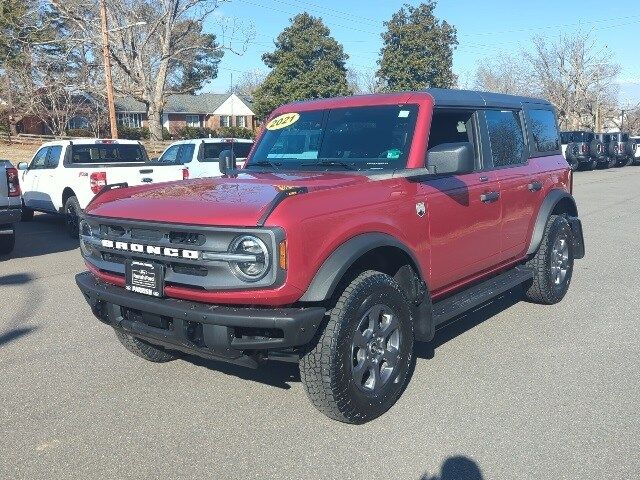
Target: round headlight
250,271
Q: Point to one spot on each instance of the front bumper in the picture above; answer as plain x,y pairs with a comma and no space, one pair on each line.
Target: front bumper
10,215
232,334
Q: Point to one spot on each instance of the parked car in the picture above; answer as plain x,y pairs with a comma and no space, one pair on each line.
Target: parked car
9,206
621,149
201,156
635,149
411,209
64,175
581,149
608,161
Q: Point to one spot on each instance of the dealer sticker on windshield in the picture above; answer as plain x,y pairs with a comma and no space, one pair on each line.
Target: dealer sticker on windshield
282,121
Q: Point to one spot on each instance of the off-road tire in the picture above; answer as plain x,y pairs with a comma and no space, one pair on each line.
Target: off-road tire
27,214
143,349
7,242
326,369
590,165
542,288
71,219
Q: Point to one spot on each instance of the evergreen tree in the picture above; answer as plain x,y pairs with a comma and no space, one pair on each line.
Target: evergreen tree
417,51
307,63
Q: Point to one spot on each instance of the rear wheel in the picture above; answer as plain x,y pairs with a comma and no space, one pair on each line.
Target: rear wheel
143,349
590,165
72,220
360,364
552,264
7,240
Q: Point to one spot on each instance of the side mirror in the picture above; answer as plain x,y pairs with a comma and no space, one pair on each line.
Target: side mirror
23,166
227,161
451,159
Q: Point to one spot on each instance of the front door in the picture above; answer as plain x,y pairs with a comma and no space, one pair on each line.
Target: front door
30,180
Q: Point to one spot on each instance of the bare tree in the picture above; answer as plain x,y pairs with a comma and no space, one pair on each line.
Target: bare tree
503,74
158,47
249,82
364,81
573,74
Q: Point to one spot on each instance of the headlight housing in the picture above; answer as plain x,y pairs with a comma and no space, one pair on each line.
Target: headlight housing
254,270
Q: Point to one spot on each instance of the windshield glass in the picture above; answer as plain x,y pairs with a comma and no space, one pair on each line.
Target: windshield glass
108,153
359,138
583,136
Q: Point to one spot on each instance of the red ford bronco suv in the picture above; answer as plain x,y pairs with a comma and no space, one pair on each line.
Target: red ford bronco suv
357,227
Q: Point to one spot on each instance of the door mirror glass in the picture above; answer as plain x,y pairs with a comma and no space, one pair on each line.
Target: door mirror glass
451,159
23,166
227,161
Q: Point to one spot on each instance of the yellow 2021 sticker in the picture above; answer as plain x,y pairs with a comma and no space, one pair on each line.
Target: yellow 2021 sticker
282,121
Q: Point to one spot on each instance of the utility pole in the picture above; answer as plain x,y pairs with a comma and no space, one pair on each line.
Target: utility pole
107,70
622,120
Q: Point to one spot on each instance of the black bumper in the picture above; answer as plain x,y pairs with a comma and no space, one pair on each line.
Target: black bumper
10,215
231,334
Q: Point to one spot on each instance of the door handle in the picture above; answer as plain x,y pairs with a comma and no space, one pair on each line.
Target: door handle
535,186
149,170
490,197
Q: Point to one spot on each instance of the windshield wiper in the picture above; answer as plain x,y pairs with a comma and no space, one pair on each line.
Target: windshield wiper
335,163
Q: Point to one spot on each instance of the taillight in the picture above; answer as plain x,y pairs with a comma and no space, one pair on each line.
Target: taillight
185,173
13,184
98,180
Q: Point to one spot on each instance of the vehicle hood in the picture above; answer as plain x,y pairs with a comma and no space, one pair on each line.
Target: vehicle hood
237,200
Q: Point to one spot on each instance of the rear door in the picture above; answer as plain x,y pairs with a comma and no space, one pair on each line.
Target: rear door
510,167
464,211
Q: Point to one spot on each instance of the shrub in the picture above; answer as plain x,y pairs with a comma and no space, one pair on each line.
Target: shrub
195,132
235,132
133,133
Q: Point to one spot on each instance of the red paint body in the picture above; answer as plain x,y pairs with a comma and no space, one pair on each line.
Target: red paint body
458,240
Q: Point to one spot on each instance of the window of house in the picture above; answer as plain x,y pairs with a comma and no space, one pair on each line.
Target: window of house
241,122
544,130
79,122
506,138
193,120
225,121
129,120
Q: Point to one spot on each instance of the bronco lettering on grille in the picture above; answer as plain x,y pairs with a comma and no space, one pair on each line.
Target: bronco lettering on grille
152,249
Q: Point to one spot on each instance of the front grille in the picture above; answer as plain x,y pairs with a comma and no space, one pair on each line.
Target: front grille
180,249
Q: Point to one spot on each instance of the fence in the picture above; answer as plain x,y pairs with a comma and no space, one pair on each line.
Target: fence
153,148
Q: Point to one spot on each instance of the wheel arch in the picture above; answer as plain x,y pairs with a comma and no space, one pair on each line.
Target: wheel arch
377,251
557,202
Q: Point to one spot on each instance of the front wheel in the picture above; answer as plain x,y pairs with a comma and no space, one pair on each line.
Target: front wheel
7,239
72,220
361,362
552,264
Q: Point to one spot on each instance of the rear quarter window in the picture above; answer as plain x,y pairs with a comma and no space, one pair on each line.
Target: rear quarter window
544,131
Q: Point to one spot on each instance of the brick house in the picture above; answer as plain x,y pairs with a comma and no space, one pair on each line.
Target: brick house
213,110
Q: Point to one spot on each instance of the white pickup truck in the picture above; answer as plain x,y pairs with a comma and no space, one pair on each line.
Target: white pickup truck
64,175
202,156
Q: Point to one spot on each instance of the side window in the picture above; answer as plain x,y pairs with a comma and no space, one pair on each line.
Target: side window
452,126
211,152
505,136
544,130
186,153
170,155
40,159
53,158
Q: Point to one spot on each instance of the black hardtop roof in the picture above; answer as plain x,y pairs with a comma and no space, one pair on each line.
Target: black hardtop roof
473,98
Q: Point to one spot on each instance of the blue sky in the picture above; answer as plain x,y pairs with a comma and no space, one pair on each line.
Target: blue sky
485,28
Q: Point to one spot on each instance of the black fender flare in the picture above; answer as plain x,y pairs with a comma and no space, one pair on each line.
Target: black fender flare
548,204
336,265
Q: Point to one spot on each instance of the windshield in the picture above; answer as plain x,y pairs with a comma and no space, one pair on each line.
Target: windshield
359,138
108,153
583,136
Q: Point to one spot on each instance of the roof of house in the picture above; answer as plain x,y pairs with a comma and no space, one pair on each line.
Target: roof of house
201,104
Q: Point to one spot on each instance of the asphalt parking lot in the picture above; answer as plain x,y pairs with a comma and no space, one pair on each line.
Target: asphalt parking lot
511,391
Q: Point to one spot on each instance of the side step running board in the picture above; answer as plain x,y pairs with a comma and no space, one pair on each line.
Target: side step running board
461,302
